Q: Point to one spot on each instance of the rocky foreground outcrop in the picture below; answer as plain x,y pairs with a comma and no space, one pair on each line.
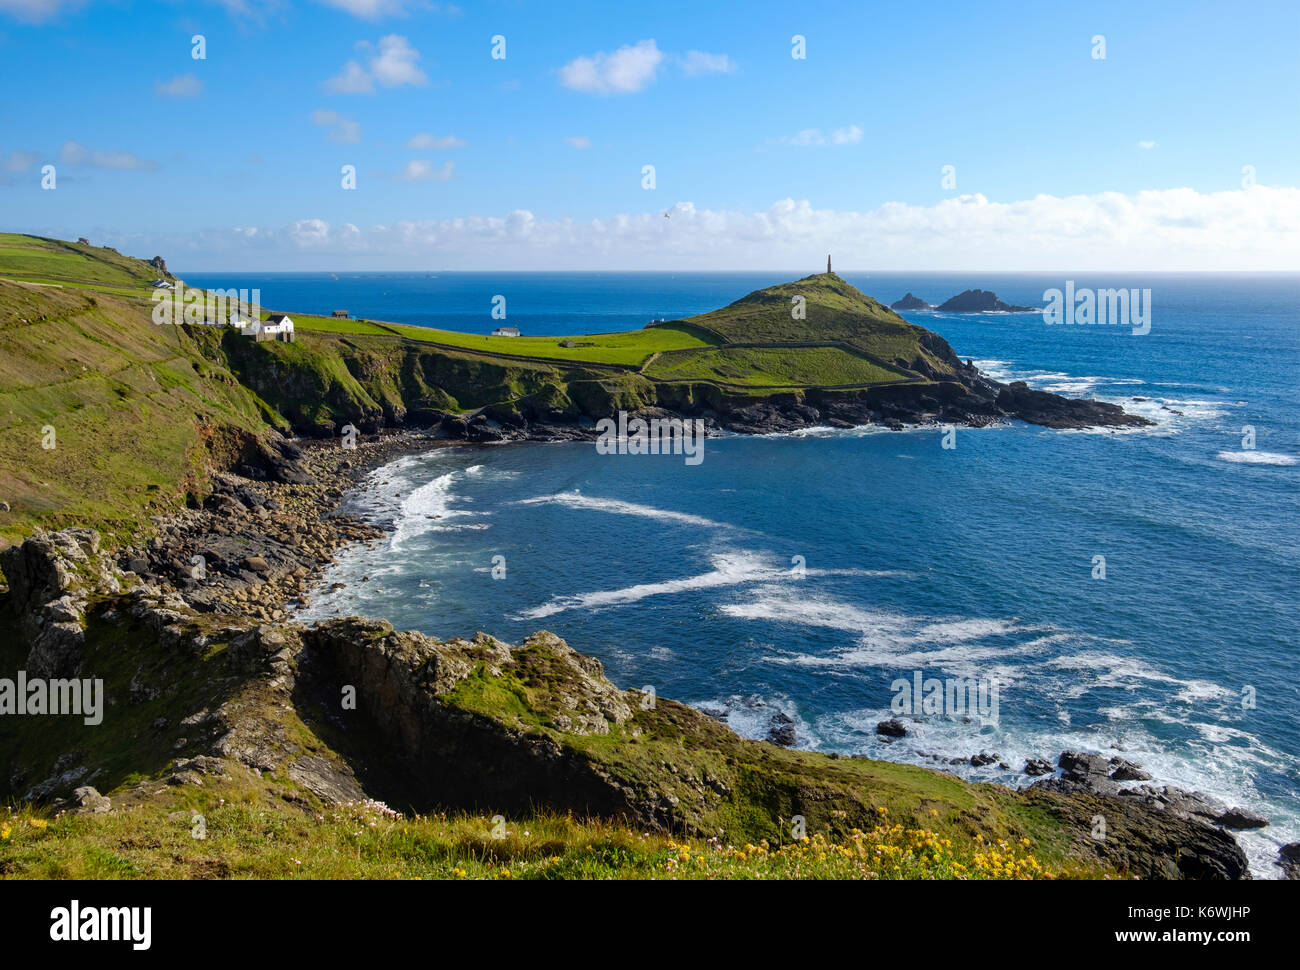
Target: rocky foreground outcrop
352,708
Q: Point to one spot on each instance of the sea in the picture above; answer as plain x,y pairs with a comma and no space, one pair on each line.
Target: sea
1129,592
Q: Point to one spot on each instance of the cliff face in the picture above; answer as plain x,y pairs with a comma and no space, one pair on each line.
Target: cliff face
319,385
351,708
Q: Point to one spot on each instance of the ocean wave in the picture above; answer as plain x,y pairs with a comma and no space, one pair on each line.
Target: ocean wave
1256,458
729,569
576,500
429,501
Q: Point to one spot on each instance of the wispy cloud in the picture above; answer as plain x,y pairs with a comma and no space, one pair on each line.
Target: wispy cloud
422,170
634,67
343,130
695,63
18,161
816,138
1146,145
578,141
627,70
424,142
393,63
181,86
75,154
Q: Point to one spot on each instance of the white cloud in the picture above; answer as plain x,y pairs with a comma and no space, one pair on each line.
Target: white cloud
1146,145
579,141
1169,229
352,80
629,69
424,142
181,86
421,170
343,130
393,63
816,138
308,232
76,154
695,63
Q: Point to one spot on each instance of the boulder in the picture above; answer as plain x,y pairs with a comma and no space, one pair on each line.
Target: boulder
1288,858
893,728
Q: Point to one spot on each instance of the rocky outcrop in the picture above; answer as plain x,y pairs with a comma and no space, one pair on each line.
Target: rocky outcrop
980,301
1135,838
893,728
910,302
49,577
497,756
1210,851
1053,411
1288,858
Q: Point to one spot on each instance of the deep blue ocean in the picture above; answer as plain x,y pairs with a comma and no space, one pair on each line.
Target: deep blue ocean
973,561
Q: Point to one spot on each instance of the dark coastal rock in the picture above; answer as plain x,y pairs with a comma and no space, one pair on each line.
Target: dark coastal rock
1039,766
1195,805
909,302
1141,839
980,301
1019,400
1242,818
1128,771
1288,858
781,730
982,759
893,728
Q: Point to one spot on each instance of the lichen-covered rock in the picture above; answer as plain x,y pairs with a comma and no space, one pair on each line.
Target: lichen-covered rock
48,575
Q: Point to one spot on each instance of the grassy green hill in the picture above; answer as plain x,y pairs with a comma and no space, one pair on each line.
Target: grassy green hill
833,310
103,415
52,259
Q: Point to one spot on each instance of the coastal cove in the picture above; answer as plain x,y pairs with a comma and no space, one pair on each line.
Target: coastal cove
829,543
941,560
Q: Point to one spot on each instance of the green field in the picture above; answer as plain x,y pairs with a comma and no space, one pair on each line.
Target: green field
771,366
629,348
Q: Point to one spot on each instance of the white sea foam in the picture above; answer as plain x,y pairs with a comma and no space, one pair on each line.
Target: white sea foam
1256,458
576,500
729,569
428,503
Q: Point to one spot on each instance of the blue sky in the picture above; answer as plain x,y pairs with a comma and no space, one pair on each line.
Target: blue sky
535,161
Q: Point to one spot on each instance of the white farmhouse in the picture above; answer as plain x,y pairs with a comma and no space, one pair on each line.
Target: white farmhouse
277,326
506,332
